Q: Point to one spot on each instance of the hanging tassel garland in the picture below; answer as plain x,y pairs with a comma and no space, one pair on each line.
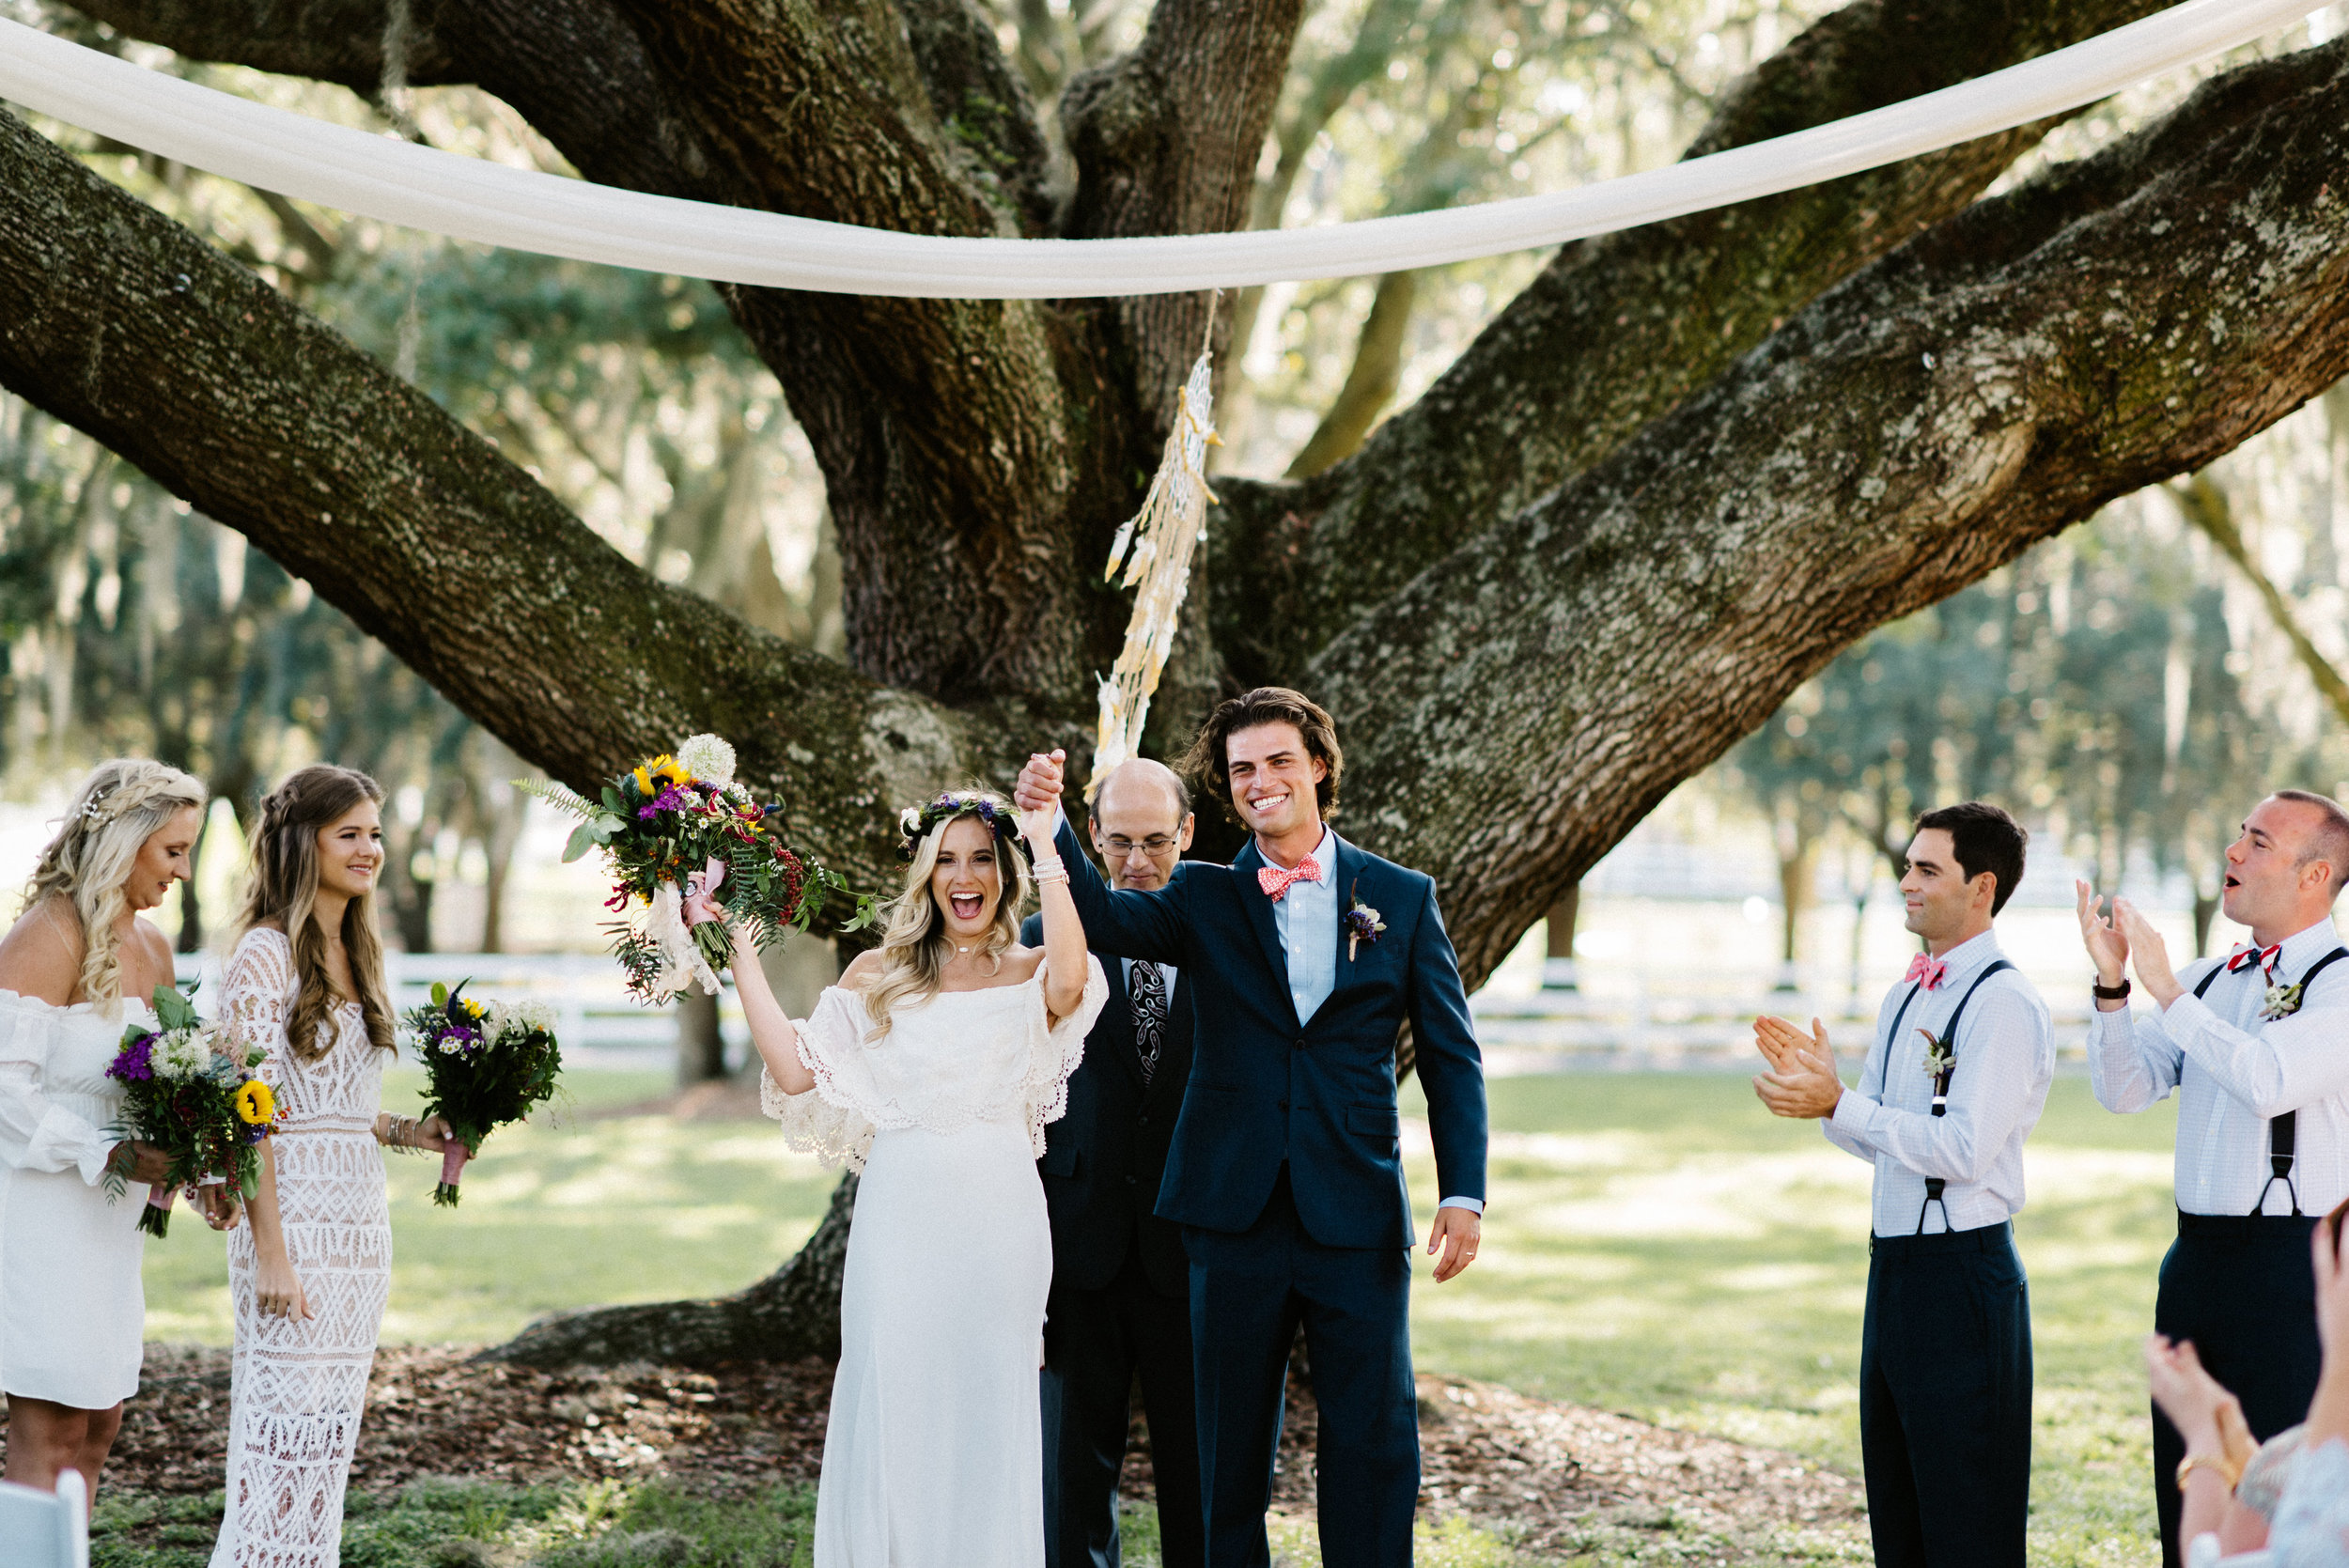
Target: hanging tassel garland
1156,545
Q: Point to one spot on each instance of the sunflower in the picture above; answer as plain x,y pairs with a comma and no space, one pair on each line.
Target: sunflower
255,1102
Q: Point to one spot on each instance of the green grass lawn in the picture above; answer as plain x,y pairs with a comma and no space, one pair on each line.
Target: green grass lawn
1657,1245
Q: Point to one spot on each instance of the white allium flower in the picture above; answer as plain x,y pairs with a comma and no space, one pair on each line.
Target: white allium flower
707,758
182,1054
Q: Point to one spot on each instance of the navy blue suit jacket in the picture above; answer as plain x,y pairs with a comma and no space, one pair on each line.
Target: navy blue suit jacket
1319,1096
1102,1160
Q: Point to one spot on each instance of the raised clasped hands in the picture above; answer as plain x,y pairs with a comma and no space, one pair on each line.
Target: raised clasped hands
1802,1083
1041,782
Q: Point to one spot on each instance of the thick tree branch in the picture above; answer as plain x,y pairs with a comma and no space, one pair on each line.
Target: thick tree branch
1158,152
1618,330
2111,324
457,561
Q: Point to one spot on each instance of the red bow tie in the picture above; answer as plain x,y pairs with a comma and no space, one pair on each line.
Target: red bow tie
2244,956
1931,970
1275,881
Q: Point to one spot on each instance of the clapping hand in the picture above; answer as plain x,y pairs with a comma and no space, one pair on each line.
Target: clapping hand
1802,1083
2150,953
2205,1413
2108,945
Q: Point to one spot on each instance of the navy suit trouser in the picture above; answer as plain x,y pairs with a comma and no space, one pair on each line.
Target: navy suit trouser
1097,1341
2242,1290
1944,1399
1249,1293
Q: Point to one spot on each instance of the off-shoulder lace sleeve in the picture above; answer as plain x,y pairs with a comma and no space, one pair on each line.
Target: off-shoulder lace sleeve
1056,1049
824,1122
36,1133
2311,1529
256,994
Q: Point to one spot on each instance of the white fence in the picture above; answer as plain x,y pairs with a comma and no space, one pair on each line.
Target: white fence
1620,1017
597,1022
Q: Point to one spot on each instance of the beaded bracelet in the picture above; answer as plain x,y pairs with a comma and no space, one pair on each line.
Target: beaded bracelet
1051,868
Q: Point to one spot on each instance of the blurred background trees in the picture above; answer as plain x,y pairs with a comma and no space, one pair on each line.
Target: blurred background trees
2127,687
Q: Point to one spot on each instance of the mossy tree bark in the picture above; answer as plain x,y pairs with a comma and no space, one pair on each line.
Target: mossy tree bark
1676,476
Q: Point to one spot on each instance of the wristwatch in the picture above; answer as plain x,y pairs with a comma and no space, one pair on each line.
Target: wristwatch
2228,1469
2109,993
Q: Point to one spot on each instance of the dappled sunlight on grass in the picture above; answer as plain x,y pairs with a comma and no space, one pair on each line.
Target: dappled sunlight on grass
563,1212
1656,1245
1689,1259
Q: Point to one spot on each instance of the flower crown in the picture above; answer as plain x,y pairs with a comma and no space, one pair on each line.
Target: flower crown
916,822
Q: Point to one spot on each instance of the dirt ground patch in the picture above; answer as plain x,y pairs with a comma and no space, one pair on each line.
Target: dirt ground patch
1552,1473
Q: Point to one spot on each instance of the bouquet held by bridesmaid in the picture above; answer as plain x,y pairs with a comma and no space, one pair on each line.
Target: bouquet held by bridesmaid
188,1089
484,1067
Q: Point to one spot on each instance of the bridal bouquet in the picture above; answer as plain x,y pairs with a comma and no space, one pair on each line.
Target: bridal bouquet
483,1066
684,842
188,1090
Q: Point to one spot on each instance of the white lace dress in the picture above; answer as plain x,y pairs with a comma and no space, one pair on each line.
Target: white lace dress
297,1387
934,1452
72,1313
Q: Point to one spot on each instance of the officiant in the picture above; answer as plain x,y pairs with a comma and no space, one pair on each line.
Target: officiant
1120,1305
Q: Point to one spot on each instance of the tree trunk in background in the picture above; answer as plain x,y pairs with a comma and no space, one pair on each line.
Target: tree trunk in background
1557,972
1680,471
793,1312
701,1049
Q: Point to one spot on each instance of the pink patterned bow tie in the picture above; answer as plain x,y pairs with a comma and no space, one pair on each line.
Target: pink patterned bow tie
1275,881
1931,970
2248,954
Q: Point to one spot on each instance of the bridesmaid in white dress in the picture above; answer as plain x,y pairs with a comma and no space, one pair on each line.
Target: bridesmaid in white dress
76,968
309,1276
933,1067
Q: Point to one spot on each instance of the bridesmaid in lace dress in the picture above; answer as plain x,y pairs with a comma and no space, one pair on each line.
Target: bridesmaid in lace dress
309,1276
76,966
933,1067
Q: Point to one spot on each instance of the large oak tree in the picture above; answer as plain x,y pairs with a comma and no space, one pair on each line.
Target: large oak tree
1678,473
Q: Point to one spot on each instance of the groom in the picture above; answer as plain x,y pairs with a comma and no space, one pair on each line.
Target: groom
1306,956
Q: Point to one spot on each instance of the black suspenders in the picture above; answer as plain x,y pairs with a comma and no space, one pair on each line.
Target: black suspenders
2283,1132
1934,1185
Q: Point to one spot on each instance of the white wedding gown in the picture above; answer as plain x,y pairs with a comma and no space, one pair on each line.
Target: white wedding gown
297,1387
934,1455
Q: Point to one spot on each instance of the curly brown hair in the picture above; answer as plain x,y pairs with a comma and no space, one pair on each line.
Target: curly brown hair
1209,761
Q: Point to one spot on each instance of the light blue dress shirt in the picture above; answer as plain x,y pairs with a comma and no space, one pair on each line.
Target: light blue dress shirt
1307,917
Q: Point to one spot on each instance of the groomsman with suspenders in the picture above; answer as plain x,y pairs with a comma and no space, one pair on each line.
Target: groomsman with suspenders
2257,1046
1955,1080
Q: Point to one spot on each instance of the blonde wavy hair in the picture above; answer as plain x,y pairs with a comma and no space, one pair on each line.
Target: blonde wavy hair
122,803
914,947
283,887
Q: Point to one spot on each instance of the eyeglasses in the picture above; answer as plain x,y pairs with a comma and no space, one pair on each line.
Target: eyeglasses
1157,847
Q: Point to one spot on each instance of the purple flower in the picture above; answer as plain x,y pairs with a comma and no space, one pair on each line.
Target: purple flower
134,1063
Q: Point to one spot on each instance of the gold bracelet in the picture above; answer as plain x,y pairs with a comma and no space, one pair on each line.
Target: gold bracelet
2226,1469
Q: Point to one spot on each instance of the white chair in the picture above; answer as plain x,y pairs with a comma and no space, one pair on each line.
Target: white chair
45,1529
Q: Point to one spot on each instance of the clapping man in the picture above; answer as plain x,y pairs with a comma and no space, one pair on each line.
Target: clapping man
1955,1081
1120,1305
2257,1047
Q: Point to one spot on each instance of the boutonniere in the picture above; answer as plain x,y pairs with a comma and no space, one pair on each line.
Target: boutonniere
1362,924
2282,1002
1939,1058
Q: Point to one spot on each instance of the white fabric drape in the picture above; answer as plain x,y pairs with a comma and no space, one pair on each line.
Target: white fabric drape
399,182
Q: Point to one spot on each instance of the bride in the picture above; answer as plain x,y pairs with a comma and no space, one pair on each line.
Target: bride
932,1067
